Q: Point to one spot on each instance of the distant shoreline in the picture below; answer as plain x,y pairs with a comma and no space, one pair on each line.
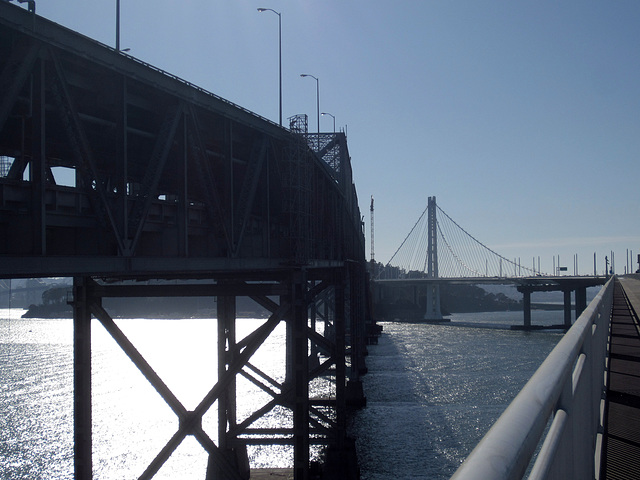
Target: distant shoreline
548,306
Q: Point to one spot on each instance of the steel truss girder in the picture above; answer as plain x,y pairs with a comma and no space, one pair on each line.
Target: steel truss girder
95,183
155,168
189,422
223,187
14,77
80,146
297,294
240,289
248,192
206,177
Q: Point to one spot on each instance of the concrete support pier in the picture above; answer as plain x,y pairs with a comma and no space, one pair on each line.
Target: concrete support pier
567,309
526,307
433,312
567,285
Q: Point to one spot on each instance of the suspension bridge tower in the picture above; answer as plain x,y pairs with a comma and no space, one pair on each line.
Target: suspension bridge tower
433,312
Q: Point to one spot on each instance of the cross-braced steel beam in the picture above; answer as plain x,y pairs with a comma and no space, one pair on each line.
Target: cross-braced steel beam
314,421
168,181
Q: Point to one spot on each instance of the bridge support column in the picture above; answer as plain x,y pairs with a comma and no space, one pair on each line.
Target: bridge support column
357,327
341,460
356,285
526,308
82,444
567,309
316,421
300,367
234,454
433,312
226,333
341,364
581,300
314,359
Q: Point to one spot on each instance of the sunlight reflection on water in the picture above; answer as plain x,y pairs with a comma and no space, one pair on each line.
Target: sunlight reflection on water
435,390
131,422
432,392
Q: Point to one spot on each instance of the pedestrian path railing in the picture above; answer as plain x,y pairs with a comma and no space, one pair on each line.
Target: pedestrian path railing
564,394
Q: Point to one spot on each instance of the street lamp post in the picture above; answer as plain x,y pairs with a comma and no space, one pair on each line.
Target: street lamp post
317,103
334,120
279,51
117,25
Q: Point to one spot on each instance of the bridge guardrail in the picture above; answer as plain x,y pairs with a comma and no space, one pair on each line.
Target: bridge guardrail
566,389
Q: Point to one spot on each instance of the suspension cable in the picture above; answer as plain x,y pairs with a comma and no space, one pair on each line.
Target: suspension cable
454,254
470,257
404,241
480,243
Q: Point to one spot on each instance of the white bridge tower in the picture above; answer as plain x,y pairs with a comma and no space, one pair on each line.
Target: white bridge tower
433,312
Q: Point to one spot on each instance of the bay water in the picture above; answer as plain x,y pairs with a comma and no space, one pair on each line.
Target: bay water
432,392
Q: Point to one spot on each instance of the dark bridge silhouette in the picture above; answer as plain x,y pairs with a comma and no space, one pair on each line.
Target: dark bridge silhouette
167,181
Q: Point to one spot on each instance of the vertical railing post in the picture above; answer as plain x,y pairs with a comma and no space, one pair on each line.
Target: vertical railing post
589,395
565,469
601,330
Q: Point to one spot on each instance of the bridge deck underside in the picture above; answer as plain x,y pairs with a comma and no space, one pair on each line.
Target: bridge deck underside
621,446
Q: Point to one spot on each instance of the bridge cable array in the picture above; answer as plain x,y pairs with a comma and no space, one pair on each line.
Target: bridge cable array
459,253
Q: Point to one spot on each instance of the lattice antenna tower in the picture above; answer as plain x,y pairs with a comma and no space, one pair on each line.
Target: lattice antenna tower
299,124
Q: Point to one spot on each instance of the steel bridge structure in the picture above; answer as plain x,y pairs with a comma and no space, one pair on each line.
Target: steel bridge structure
115,173
438,251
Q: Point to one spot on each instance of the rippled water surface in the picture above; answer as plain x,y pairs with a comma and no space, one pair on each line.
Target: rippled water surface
432,390
435,390
131,423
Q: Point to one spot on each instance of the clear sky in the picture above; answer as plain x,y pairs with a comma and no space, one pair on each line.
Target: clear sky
521,117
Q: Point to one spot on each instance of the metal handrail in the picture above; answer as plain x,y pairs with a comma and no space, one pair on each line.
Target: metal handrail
567,389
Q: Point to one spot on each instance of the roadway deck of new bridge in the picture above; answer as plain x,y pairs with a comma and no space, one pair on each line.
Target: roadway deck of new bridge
525,285
621,440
